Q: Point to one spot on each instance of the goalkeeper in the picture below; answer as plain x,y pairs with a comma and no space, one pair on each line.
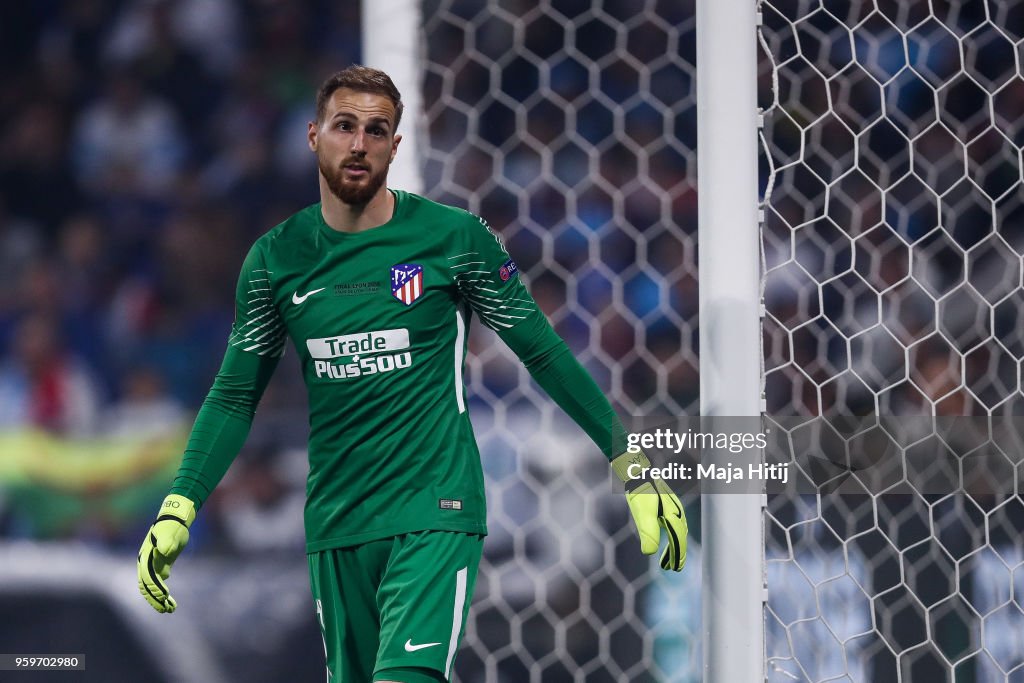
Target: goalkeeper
376,289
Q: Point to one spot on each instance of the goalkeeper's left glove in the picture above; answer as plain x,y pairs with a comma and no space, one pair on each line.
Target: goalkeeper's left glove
164,542
654,507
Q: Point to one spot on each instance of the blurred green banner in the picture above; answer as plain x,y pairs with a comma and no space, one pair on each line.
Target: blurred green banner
54,487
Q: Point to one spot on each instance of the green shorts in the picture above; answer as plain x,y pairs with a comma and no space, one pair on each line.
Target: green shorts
398,602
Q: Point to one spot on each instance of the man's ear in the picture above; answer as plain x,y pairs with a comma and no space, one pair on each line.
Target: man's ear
311,135
394,147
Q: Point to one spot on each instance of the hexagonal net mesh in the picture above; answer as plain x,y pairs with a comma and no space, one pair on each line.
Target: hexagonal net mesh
893,235
570,127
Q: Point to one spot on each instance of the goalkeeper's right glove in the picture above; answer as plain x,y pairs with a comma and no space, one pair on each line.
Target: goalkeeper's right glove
164,542
654,507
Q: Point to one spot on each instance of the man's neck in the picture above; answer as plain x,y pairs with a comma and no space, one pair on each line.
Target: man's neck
356,218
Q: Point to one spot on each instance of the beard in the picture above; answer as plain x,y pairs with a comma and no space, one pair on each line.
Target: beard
352,193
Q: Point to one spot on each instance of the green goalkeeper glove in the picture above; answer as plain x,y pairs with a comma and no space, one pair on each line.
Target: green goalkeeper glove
164,542
654,505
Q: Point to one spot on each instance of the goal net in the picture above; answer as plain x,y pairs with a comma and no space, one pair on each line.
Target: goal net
892,241
571,127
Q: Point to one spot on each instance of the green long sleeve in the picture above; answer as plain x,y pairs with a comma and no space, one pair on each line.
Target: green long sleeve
223,422
552,365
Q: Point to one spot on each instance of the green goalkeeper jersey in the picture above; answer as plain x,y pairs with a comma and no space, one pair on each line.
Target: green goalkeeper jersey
379,319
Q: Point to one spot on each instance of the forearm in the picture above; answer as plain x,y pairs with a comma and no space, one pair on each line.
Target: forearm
223,423
217,437
570,386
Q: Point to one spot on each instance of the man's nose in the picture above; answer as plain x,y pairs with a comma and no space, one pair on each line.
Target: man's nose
359,141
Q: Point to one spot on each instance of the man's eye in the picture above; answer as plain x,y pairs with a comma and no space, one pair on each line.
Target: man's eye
376,131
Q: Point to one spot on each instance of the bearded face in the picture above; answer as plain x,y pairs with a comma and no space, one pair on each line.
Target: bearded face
354,181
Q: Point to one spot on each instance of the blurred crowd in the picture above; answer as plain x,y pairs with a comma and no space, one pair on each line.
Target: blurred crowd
144,146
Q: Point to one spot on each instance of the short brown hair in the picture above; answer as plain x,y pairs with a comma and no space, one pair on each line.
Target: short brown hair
361,79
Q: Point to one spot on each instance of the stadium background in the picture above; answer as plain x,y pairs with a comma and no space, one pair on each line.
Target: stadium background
146,144
891,180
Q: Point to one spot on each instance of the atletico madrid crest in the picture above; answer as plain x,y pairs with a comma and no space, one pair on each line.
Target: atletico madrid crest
407,282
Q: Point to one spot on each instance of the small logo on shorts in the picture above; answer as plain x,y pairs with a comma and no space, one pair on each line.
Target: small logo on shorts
409,647
449,504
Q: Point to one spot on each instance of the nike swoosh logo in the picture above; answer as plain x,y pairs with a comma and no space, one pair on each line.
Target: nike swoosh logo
409,647
296,299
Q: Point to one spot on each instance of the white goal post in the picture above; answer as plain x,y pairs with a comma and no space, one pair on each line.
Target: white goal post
733,582
391,43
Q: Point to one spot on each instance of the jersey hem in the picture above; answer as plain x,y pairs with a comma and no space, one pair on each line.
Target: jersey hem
409,662
367,536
